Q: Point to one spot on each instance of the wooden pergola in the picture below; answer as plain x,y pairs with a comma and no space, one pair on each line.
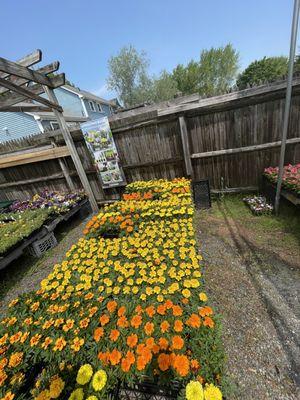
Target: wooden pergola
20,90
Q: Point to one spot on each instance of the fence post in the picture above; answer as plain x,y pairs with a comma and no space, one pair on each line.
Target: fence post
186,147
75,157
65,170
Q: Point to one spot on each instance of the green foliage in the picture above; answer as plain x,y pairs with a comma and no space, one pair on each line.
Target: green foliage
267,69
164,87
187,78
128,75
20,227
212,75
217,70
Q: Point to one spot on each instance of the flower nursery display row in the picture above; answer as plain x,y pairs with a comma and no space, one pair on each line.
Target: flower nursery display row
290,180
121,308
16,226
58,202
24,217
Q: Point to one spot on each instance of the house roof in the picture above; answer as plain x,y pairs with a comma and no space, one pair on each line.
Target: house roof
90,96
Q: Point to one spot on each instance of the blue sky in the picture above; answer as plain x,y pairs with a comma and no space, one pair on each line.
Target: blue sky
82,35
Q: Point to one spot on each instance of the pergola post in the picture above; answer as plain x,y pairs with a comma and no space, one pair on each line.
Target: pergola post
70,144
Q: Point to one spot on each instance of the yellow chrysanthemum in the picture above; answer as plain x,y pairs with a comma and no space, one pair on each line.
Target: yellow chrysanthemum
194,391
99,380
77,394
211,392
84,374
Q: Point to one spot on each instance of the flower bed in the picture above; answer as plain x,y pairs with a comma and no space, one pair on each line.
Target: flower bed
119,310
258,205
58,202
17,226
291,177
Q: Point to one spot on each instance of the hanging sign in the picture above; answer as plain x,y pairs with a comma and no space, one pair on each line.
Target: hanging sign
99,139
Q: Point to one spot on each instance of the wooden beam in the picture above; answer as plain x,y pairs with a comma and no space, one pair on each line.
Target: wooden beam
31,181
9,99
12,68
26,108
47,69
186,147
12,160
245,149
31,59
213,102
73,152
25,92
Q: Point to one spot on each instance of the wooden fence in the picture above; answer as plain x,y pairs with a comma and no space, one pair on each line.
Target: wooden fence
229,139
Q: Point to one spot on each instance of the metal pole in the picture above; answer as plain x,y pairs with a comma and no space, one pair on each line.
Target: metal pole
287,101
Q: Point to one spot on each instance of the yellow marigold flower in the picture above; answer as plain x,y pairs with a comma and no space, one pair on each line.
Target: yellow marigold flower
99,380
211,392
186,293
44,395
194,391
56,387
77,394
84,374
92,398
202,296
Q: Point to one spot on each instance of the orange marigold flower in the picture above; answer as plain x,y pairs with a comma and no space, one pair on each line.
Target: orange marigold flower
35,339
8,396
115,357
164,361
138,309
104,319
178,325
98,333
114,335
112,306
132,340
15,359
46,343
169,304
161,309
177,342
177,311
149,328
123,322
104,357
59,344
185,301
194,321
150,311
163,343
121,311
205,311
150,343
164,326
181,364
136,321
77,343
127,362
195,365
208,322
84,323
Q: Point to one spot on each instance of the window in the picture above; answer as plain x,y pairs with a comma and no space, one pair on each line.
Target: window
54,125
92,106
99,107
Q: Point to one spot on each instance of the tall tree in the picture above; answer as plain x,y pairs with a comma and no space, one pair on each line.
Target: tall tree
267,69
187,78
218,68
127,73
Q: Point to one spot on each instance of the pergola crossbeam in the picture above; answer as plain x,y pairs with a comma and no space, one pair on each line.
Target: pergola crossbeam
10,99
27,61
12,68
28,94
47,69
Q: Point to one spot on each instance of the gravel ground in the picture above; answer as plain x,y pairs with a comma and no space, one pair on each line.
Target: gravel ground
256,292
26,273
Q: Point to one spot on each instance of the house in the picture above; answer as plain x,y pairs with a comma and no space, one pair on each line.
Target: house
78,105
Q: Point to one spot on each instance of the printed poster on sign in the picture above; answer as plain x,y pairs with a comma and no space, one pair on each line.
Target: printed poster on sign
100,142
